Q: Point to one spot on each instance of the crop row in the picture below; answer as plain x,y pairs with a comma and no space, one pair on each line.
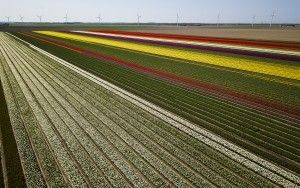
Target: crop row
270,88
212,59
204,141
242,42
90,139
10,160
225,119
204,46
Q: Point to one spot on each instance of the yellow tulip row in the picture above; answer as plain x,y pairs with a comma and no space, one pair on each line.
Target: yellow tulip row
285,71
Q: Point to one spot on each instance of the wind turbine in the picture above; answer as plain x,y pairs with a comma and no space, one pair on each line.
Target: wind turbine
99,18
253,20
177,19
66,17
272,18
218,19
138,18
40,18
21,18
7,19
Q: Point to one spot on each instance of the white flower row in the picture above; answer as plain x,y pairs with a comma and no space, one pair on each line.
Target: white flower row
102,117
59,150
250,160
81,120
94,151
16,103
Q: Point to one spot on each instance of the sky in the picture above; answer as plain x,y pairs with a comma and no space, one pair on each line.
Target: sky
196,11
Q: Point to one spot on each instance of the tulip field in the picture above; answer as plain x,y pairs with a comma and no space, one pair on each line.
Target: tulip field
112,108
